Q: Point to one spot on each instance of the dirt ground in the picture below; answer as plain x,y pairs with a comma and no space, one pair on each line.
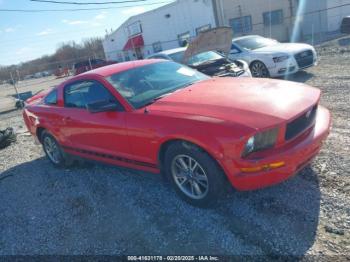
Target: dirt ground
110,210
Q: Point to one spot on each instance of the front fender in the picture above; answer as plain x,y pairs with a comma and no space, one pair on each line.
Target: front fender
218,138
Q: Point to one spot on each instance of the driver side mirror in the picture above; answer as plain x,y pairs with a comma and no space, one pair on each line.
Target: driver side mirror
102,106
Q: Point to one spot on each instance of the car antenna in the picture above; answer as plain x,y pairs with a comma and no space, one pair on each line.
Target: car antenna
146,110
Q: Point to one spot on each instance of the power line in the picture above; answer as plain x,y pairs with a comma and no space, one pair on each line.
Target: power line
89,3
78,9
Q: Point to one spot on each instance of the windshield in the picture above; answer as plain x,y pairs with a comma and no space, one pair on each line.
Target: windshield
203,57
177,57
255,42
196,59
143,85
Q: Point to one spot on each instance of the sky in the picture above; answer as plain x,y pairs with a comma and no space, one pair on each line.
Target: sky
26,36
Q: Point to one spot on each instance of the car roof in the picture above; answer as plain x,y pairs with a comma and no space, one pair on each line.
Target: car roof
245,37
120,67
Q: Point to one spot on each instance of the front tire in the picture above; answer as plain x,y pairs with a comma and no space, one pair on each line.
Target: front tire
54,152
194,175
259,69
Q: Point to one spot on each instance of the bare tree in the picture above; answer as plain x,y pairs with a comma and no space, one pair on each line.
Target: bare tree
66,55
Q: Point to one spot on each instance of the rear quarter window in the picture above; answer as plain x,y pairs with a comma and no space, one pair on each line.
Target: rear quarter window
51,98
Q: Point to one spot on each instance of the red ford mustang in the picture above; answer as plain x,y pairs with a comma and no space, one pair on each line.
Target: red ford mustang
201,132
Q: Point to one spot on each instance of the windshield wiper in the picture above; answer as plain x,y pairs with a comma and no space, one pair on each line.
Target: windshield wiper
153,100
166,94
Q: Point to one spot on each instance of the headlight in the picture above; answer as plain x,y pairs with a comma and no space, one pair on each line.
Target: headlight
249,146
243,65
280,58
261,141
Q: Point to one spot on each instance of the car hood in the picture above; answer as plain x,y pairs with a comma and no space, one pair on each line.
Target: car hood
291,48
255,103
217,39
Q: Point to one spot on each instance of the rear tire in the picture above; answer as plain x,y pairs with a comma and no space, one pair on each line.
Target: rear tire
54,151
195,176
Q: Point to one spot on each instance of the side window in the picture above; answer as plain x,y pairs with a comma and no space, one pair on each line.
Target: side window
234,49
51,98
79,95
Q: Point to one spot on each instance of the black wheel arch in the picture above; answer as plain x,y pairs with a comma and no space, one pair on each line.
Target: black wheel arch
39,133
188,144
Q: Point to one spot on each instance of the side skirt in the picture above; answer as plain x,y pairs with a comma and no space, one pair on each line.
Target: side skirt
113,159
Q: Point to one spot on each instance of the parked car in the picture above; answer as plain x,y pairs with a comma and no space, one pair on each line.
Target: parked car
210,63
345,25
201,132
45,73
269,58
203,56
38,75
87,65
27,77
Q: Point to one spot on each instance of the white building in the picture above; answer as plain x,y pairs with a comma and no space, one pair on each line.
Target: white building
317,19
170,25
167,27
262,17
323,18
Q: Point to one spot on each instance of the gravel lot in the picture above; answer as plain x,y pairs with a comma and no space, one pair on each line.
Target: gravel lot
109,210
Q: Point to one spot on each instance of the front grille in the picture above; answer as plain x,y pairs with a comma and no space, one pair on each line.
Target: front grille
304,59
300,124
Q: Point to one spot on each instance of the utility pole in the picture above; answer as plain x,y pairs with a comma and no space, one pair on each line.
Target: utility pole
18,75
320,26
270,16
241,18
14,85
291,20
90,64
291,8
222,12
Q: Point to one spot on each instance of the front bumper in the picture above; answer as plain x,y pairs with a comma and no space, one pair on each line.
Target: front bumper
296,155
290,66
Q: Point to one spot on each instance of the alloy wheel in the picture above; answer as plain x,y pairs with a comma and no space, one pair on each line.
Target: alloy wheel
258,69
52,150
190,176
